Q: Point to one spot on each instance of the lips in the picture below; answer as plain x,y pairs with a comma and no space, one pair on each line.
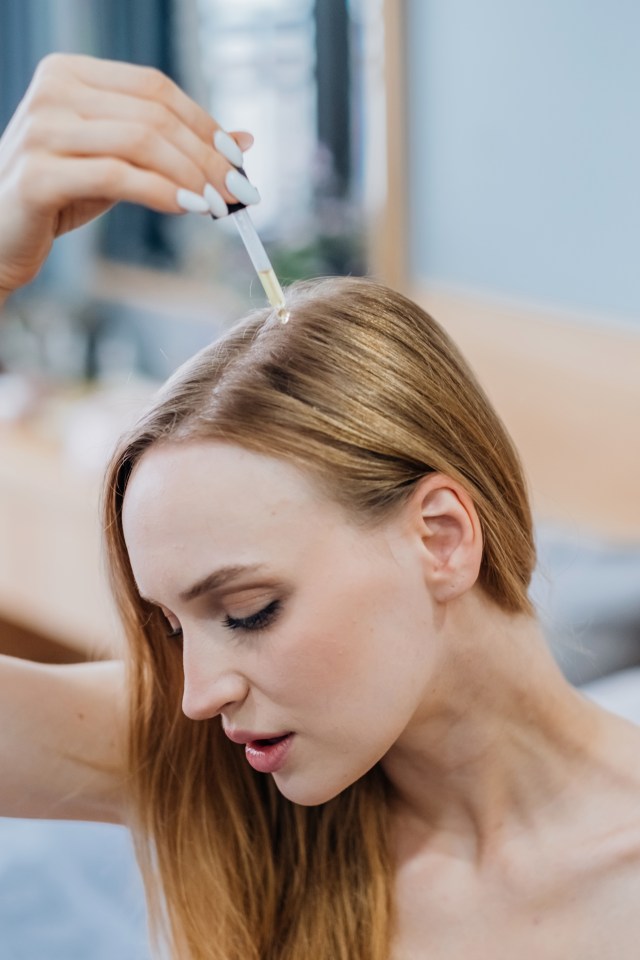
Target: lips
249,736
266,752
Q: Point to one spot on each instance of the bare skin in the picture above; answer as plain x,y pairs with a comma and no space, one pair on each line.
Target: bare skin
529,843
62,740
516,827
90,133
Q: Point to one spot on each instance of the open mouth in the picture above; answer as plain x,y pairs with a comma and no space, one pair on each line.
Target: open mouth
269,754
269,742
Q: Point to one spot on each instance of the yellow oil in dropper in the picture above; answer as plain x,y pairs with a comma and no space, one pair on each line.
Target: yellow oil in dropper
262,264
274,293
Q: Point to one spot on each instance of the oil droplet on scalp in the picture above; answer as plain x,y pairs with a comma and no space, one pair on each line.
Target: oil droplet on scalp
283,315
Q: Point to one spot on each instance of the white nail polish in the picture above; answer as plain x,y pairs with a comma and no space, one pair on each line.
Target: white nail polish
192,202
217,206
227,146
239,186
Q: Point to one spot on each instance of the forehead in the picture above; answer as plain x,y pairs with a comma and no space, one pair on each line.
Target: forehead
195,505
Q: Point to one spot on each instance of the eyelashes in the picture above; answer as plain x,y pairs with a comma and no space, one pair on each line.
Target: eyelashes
172,631
257,621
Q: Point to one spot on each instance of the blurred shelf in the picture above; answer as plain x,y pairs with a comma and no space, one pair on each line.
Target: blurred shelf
164,294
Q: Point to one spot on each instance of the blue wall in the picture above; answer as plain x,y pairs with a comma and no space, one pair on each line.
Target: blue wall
524,149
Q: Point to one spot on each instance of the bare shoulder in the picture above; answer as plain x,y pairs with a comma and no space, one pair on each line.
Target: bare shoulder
613,855
62,740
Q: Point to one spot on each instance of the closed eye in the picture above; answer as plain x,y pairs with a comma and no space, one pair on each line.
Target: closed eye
257,621
173,629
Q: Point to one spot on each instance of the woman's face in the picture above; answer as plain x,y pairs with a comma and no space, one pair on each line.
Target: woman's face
303,623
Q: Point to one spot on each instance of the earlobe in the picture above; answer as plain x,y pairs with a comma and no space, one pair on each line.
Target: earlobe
451,536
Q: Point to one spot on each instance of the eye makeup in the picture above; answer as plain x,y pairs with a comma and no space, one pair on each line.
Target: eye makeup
173,629
215,609
256,621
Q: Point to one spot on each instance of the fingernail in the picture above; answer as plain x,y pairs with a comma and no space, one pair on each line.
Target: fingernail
227,146
239,186
217,206
192,202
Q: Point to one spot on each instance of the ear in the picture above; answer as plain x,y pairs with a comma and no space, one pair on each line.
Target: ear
446,520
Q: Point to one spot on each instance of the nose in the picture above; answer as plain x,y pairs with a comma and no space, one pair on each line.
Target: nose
210,686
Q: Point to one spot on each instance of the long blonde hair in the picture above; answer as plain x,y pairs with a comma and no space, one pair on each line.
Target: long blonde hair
365,391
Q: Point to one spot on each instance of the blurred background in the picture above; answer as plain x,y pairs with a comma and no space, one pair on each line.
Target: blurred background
480,157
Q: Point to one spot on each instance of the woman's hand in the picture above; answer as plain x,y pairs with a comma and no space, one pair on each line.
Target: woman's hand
91,132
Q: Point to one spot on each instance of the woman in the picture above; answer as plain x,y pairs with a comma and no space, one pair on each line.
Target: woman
343,734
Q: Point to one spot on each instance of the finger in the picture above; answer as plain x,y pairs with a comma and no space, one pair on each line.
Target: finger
134,142
243,138
150,84
52,185
90,93
145,83
155,116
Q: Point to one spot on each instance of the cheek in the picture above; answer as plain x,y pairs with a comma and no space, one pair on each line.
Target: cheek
316,669
357,654
313,659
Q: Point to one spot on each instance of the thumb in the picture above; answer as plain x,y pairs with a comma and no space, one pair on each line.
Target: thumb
243,138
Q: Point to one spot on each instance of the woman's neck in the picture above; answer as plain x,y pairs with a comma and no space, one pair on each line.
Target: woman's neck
500,740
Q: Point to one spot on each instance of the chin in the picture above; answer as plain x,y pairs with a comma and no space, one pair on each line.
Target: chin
306,793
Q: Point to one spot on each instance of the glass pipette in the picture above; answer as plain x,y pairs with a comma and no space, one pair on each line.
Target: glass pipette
261,262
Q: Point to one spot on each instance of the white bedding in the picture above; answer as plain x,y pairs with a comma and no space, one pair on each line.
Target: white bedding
69,891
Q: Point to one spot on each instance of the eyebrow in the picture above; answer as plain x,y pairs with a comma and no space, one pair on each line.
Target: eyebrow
218,579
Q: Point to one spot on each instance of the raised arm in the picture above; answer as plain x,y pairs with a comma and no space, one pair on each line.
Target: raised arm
62,740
